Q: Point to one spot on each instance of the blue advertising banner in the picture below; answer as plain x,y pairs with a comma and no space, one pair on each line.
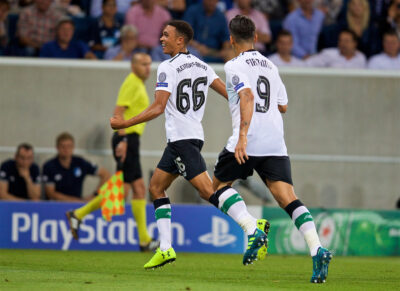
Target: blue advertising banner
42,225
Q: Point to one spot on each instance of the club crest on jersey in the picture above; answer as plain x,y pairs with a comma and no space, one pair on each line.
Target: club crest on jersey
235,80
161,78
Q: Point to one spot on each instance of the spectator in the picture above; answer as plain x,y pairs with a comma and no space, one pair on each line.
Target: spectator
69,8
305,24
149,18
211,36
19,178
17,5
36,25
345,56
4,9
128,46
283,56
393,20
259,19
175,7
122,7
64,47
106,30
331,9
64,175
273,9
389,59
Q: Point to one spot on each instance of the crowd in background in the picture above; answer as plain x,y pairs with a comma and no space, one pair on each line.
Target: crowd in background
316,33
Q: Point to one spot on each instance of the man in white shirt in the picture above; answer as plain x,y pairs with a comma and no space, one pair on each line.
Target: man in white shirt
345,55
181,91
389,59
257,97
283,57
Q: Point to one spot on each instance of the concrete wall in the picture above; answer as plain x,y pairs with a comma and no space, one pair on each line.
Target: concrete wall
342,127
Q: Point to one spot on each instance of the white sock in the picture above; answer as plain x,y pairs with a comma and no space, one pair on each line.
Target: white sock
163,218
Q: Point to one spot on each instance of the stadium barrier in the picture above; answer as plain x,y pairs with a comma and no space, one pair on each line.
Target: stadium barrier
197,228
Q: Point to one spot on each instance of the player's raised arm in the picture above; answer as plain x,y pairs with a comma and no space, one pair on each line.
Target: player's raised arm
246,113
154,110
218,86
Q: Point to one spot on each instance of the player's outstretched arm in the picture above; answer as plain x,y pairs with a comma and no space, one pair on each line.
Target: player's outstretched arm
218,86
154,110
246,113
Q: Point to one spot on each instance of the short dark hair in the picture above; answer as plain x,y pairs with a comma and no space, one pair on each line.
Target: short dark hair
284,32
352,33
64,20
183,28
242,28
25,146
390,32
6,3
105,2
64,136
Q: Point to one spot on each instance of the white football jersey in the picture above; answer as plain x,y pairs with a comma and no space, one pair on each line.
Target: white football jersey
254,71
187,78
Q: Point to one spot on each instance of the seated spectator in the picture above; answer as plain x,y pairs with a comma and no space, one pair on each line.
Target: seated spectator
19,178
106,30
128,46
305,24
358,20
149,19
283,57
69,7
175,7
211,36
262,27
389,59
393,19
4,9
345,56
122,7
17,5
64,175
36,25
331,10
64,47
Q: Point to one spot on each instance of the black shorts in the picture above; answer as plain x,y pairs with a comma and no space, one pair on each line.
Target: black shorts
275,168
131,166
183,157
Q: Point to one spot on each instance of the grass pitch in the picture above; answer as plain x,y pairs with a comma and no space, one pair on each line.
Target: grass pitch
92,270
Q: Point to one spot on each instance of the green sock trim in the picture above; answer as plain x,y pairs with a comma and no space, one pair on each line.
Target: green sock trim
303,219
230,201
163,213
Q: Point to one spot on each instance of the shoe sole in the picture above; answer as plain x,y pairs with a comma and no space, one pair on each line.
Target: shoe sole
74,233
254,252
162,264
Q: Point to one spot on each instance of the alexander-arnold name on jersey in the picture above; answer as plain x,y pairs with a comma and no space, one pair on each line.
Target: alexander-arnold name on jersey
190,65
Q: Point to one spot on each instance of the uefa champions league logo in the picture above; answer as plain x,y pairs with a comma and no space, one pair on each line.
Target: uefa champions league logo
219,235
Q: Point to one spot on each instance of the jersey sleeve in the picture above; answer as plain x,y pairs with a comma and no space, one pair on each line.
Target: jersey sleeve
166,77
211,75
4,175
48,174
282,95
88,167
236,78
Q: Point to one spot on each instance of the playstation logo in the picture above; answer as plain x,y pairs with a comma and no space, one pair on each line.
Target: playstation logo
219,235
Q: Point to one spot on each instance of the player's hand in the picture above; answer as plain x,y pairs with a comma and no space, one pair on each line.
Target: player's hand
117,122
120,150
240,150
